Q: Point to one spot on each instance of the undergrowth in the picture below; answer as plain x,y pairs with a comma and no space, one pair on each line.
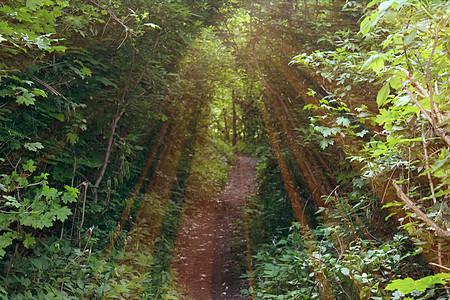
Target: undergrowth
289,260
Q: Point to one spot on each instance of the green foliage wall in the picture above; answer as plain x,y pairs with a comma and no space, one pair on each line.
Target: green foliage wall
85,86
354,136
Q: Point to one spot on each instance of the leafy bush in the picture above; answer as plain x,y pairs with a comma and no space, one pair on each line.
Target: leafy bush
284,269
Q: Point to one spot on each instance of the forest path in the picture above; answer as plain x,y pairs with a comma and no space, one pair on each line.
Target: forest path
203,259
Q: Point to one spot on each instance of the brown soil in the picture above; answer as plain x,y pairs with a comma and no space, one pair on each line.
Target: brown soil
204,261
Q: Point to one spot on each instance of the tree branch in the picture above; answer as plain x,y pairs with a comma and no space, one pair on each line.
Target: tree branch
49,87
115,121
439,131
433,105
128,29
404,198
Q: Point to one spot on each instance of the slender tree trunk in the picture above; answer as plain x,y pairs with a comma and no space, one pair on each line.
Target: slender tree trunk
307,9
121,110
119,113
233,143
225,120
107,155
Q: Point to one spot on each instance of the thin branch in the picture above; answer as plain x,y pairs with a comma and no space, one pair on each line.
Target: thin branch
424,112
427,164
439,266
84,204
439,131
46,85
120,111
19,212
404,198
31,184
128,29
387,185
433,106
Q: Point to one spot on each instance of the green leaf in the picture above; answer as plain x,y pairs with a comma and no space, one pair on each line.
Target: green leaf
29,166
5,29
33,4
367,63
26,98
72,138
22,181
38,92
59,48
77,71
365,25
362,133
442,193
106,81
49,193
387,205
343,121
86,71
43,221
408,285
151,25
325,142
410,37
383,93
390,215
345,271
395,82
405,286
11,201
29,241
43,43
58,116
423,283
443,275
376,62
37,220
62,213
327,131
6,239
71,195
33,146
80,283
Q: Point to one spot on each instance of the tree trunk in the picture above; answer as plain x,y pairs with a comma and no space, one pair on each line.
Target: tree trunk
233,143
115,121
225,120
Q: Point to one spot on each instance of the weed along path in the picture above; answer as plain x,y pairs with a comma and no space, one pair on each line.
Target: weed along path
203,258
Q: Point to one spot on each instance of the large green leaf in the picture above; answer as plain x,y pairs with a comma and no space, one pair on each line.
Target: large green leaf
408,285
26,98
33,146
62,213
6,239
383,93
410,37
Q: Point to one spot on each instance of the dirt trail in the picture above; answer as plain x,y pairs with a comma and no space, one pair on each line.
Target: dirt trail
203,261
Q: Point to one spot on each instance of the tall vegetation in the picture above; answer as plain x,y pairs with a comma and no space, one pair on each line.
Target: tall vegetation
367,92
401,46
92,122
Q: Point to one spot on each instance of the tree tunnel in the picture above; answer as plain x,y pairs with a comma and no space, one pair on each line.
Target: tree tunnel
224,149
